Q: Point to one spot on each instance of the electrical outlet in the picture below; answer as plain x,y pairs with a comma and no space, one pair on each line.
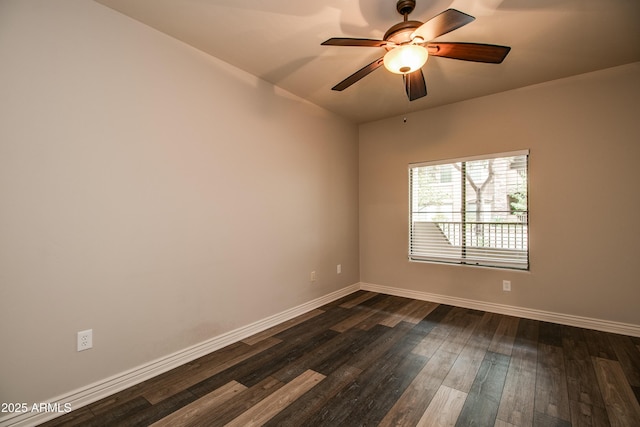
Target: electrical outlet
506,285
339,268
85,340
314,276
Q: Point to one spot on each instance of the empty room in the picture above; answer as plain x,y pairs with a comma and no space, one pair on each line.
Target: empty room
336,213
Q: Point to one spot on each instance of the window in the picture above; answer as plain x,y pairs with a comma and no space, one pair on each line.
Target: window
471,211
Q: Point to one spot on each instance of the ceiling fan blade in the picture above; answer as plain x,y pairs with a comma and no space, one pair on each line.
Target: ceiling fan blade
358,75
346,41
447,21
415,85
476,52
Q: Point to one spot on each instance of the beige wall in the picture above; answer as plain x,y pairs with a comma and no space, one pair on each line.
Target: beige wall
154,194
584,139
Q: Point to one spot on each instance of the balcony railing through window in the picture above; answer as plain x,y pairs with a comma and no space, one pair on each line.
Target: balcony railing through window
499,235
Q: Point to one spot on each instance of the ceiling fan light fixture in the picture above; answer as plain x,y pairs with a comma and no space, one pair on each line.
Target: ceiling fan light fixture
406,58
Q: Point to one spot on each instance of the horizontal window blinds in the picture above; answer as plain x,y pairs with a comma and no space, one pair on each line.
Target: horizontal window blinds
471,211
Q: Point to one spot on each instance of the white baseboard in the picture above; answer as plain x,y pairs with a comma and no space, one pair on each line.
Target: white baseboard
104,388
527,313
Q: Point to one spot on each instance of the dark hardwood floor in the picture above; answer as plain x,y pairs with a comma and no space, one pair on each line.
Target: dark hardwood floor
371,359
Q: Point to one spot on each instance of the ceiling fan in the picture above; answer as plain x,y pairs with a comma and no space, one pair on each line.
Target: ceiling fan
409,45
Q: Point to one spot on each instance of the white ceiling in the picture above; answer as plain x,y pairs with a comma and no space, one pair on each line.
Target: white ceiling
279,41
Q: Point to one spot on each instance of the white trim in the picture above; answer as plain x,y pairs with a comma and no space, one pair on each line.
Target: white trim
527,313
108,386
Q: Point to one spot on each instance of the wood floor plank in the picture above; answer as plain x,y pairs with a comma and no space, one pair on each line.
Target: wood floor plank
422,309
463,329
551,396
505,335
550,334
393,308
274,359
253,339
243,401
481,406
313,401
382,311
210,384
404,312
199,411
122,401
149,414
369,396
621,403
296,341
431,343
78,417
341,344
546,420
585,415
585,398
437,315
517,402
464,370
376,399
364,359
199,370
355,348
375,300
360,313
338,302
409,408
628,356
317,323
358,300
599,345
268,407
116,413
500,423
582,385
411,405
450,322
444,408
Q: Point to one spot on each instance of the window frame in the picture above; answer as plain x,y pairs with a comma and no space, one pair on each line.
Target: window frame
482,257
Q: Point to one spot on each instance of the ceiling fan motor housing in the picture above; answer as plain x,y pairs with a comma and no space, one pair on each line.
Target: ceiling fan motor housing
401,33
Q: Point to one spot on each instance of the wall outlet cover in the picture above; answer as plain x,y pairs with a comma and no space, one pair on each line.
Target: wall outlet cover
85,340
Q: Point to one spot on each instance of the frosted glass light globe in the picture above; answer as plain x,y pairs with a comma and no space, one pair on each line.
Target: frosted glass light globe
406,59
